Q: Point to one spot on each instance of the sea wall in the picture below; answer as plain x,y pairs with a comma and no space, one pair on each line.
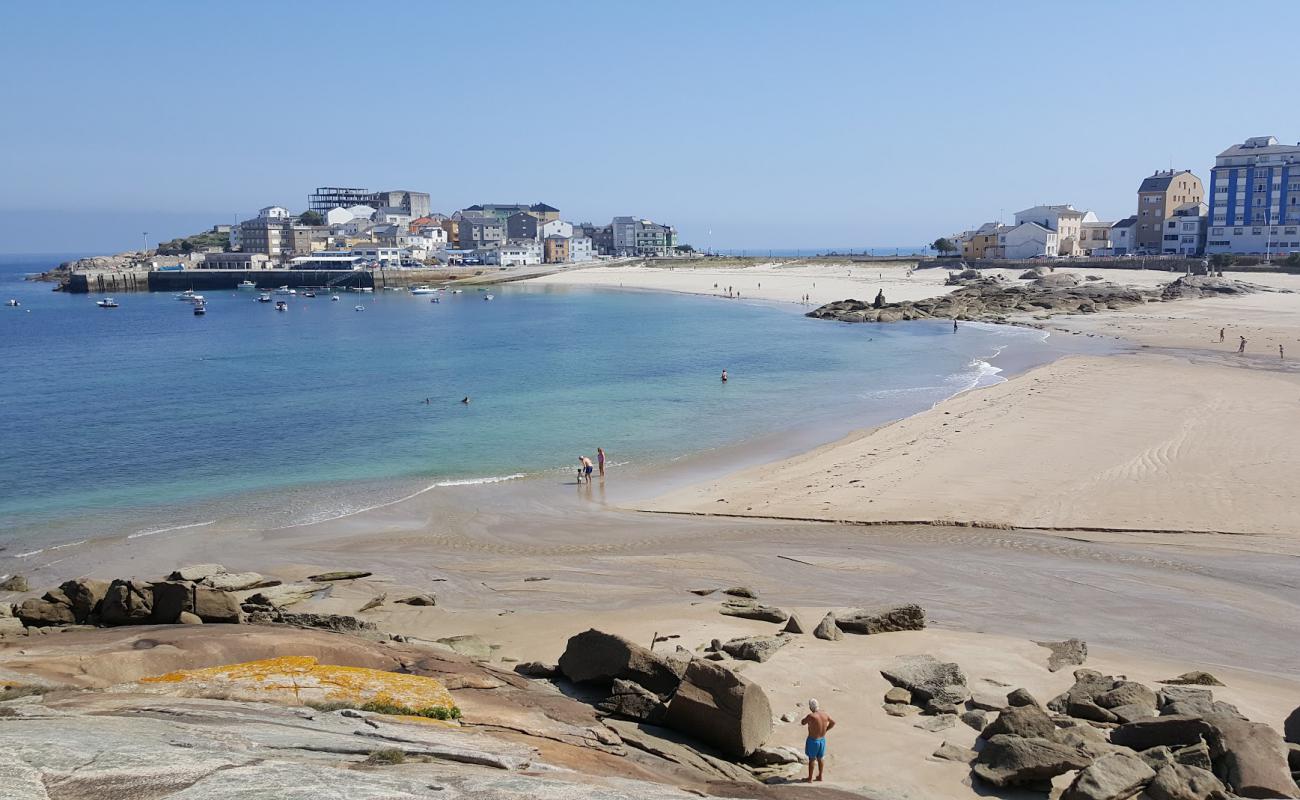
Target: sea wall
142,280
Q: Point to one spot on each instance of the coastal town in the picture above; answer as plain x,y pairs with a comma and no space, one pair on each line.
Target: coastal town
1252,208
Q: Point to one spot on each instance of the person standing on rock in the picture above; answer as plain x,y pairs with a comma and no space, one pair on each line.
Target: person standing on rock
819,724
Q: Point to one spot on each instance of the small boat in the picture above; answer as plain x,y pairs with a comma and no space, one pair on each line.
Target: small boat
187,295
435,300
13,303
489,297
308,294
198,298
366,289
200,309
360,308
107,302
334,298
423,290
285,290
247,285
280,305
264,298
457,291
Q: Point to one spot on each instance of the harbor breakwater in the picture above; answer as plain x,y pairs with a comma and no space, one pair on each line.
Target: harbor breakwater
143,280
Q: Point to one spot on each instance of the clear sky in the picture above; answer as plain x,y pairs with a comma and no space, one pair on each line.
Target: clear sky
745,124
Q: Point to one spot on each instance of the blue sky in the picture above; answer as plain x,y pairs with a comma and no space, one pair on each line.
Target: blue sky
745,124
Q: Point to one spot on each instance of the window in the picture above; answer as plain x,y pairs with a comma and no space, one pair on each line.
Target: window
1216,231
1236,231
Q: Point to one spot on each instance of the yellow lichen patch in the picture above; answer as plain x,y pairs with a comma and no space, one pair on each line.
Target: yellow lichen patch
301,680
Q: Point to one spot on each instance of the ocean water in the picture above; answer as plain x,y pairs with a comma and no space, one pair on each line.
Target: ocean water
144,418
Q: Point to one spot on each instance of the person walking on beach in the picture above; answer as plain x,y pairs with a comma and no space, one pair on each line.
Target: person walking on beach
1221,330
586,467
954,324
819,724
1241,348
600,460
1281,353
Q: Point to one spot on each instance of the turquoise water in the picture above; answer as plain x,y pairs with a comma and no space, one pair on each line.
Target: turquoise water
144,417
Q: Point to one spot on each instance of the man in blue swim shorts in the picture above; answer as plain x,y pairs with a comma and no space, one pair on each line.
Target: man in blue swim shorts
819,723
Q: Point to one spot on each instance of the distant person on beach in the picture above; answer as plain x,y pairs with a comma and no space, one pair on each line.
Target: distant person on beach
600,460
724,376
1281,353
954,324
1241,348
1221,330
586,467
819,724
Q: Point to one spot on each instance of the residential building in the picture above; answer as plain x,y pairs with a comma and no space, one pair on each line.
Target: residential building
452,227
1184,232
501,211
1064,220
1028,240
602,239
554,227
414,204
382,255
511,254
327,197
557,249
1094,235
641,237
522,225
1123,237
1158,196
623,231
235,261
581,249
1255,204
477,230
982,240
544,212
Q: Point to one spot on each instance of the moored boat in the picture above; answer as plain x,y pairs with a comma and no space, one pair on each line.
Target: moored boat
280,305
107,302
423,290
264,298
200,309
247,285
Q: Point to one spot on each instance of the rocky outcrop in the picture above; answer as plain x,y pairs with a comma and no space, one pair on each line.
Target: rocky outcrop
85,595
1115,776
1194,678
754,648
1251,758
1291,727
748,609
909,617
1171,731
14,583
340,575
127,602
1069,653
630,700
721,708
928,679
1027,721
793,625
598,657
1181,782
1009,761
52,609
1055,293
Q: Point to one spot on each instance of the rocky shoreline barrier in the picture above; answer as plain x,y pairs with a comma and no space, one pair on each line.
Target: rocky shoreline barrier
211,666
1038,294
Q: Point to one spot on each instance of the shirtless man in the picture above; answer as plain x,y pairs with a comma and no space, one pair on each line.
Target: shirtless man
818,722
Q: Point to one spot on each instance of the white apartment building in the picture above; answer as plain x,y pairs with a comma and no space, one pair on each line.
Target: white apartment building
581,249
1029,240
555,227
1065,220
512,254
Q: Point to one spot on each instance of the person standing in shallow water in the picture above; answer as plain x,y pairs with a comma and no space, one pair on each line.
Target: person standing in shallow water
600,460
724,376
819,724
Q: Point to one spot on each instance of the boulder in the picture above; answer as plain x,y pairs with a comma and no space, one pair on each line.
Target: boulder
238,581
883,620
702,592
925,677
752,610
1079,699
1195,678
213,605
1132,712
793,625
1168,695
1086,739
1181,782
1015,761
938,722
1251,758
11,626
338,623
419,600
126,603
1057,280
1196,755
901,710
721,708
1127,693
170,598
40,613
1291,727
1027,721
1031,275
898,695
599,657
14,583
374,602
85,595
989,701
741,591
947,700
536,669
1114,776
1173,731
1021,697
827,629
1071,652
952,752
285,594
754,648
775,757
340,575
976,718
186,618
195,572
627,699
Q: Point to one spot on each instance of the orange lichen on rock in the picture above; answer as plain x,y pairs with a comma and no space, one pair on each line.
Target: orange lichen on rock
301,680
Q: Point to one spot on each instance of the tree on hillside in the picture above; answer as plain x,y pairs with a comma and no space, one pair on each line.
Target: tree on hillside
311,218
943,246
